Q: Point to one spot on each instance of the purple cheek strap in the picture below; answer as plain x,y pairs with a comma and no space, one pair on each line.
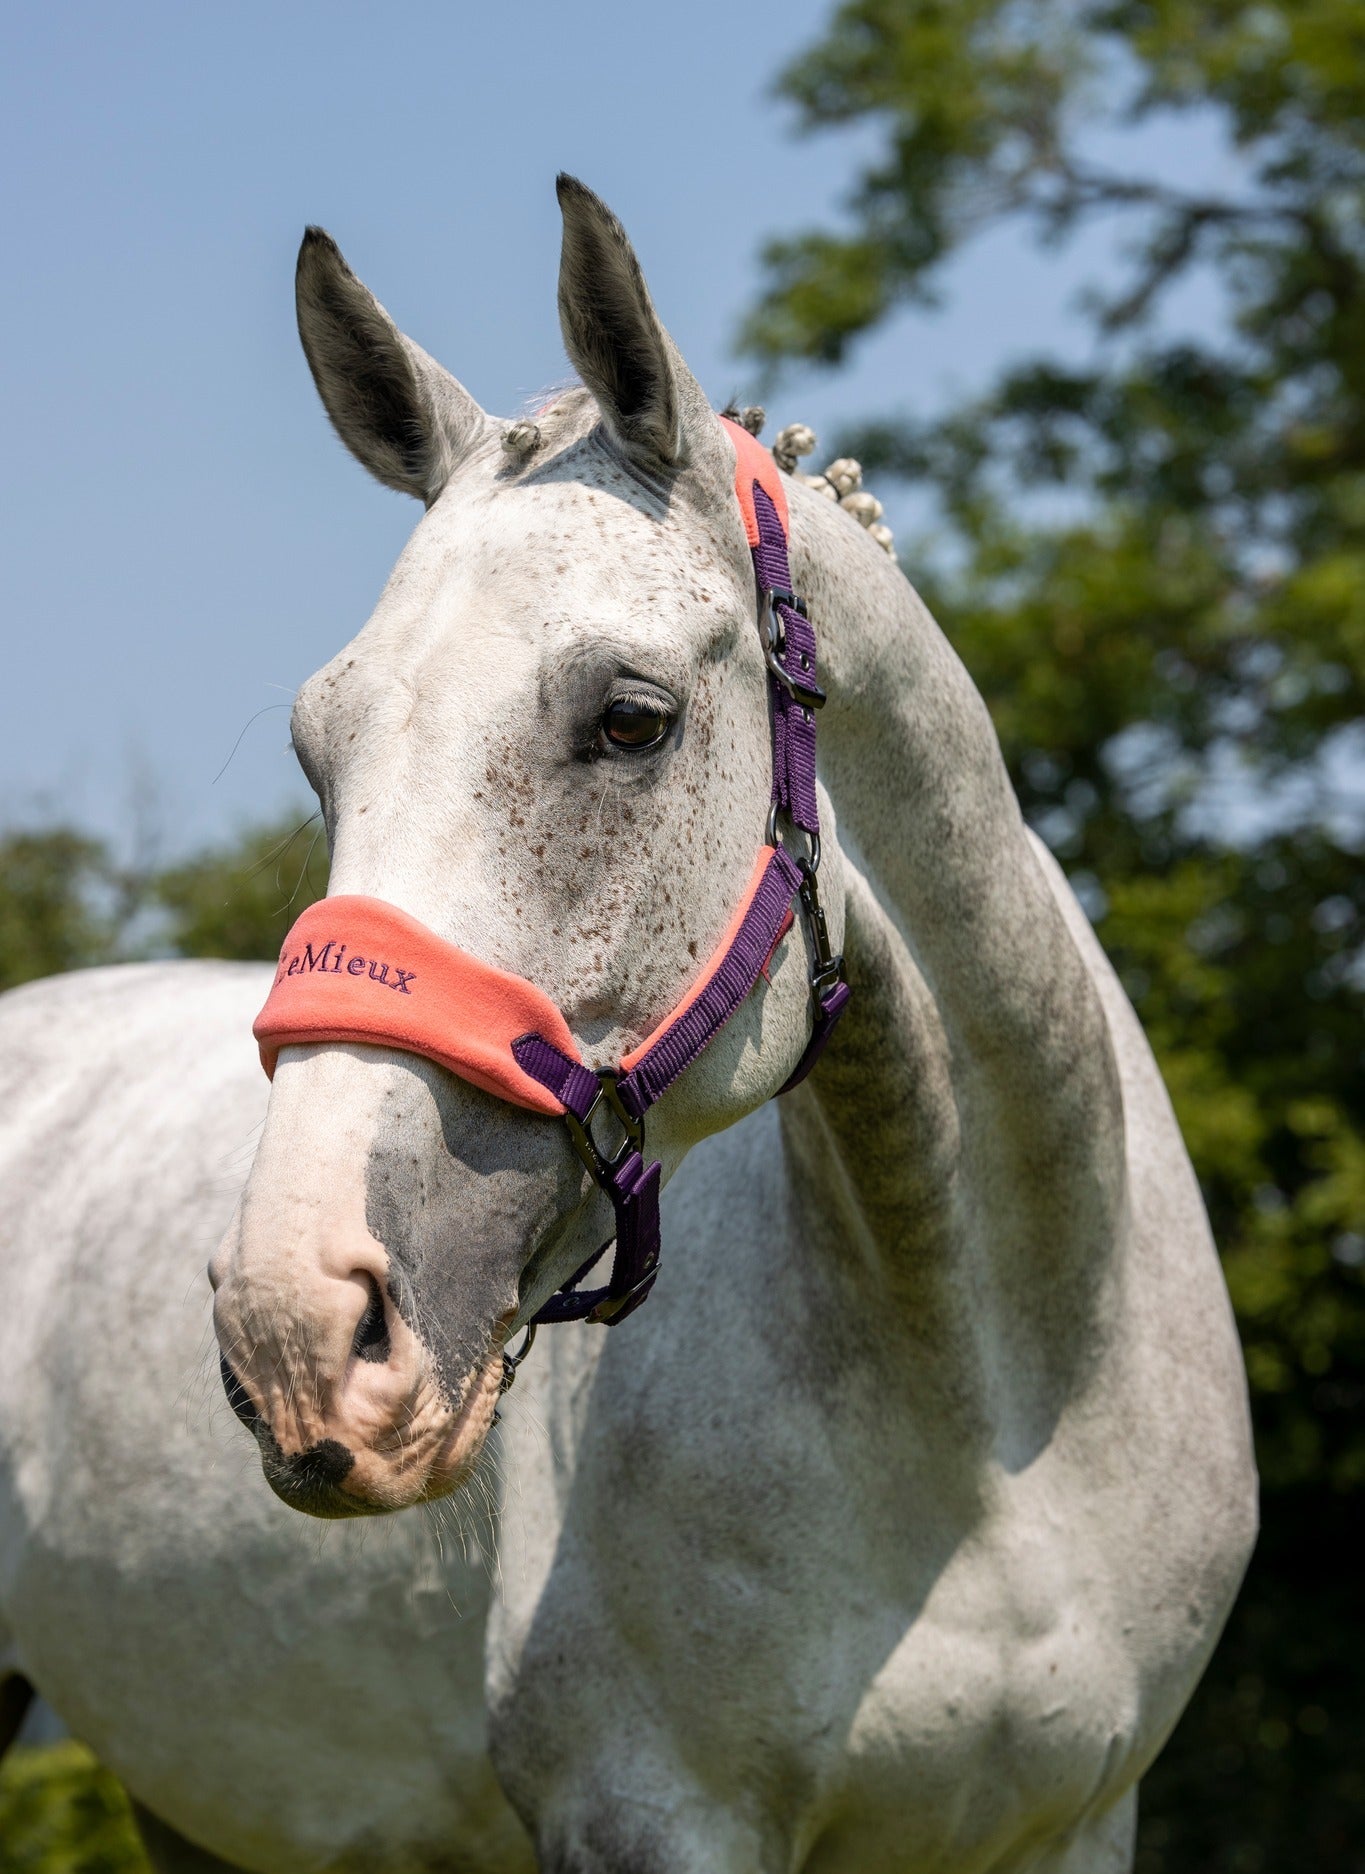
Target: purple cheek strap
623,1098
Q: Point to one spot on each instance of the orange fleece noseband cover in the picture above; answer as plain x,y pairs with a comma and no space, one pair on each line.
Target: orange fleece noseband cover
358,969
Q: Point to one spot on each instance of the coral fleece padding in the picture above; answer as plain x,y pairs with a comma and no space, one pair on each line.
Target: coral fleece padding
754,463
357,969
364,971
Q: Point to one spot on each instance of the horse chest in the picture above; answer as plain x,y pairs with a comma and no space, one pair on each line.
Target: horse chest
992,1721
889,1705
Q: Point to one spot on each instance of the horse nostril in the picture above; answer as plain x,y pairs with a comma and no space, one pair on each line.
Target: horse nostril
372,1336
237,1395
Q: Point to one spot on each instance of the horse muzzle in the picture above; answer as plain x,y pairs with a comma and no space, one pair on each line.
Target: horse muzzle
343,1398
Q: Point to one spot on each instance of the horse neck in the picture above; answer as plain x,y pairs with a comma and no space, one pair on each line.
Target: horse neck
882,1102
943,1090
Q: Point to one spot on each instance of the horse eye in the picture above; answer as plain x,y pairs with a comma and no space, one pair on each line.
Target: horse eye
635,722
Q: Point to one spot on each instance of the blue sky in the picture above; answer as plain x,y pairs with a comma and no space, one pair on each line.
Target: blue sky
184,540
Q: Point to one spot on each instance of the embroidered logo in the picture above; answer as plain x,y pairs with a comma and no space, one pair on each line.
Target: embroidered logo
331,960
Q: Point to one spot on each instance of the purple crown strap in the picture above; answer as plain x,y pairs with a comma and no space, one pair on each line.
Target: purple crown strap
740,968
793,722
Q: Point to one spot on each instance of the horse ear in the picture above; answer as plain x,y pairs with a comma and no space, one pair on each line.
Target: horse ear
649,399
397,411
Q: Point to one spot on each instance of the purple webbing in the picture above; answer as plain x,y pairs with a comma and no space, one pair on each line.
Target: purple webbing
572,1084
571,1303
740,968
637,1234
633,1187
634,1193
793,724
827,1012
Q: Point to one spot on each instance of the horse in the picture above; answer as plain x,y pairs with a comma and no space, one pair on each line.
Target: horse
893,1528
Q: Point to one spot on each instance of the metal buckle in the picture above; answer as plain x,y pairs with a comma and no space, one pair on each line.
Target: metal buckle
580,1130
807,692
612,1307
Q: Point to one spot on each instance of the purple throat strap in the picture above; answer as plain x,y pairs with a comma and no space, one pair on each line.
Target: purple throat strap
621,1099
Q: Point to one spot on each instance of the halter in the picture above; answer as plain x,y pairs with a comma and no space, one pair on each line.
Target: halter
356,969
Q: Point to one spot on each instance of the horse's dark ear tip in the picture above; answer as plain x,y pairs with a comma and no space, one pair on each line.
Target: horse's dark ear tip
572,193
319,264
316,240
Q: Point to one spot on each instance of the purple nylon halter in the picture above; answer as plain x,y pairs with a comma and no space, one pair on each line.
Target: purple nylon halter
630,1183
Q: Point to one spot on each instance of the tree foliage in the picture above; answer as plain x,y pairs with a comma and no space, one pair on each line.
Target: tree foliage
240,899
60,1813
66,903
1153,562
55,912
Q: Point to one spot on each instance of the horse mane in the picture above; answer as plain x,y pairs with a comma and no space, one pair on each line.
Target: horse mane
840,481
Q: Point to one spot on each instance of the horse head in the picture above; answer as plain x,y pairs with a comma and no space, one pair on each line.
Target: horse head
550,746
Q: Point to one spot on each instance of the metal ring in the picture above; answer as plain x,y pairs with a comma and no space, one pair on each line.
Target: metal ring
580,1130
511,1361
812,857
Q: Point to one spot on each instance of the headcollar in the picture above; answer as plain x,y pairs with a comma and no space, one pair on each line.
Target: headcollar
357,969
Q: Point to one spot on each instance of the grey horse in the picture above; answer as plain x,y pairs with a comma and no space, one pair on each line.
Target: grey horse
894,1531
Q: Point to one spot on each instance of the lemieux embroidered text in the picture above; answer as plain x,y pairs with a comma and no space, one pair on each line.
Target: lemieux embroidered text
331,960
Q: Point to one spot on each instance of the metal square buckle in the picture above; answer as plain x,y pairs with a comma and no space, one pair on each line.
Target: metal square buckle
805,691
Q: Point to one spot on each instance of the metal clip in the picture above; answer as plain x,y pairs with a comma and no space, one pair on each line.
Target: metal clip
612,1308
827,968
511,1361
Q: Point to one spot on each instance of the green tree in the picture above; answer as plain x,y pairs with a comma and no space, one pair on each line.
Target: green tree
65,904
58,903
1172,643
60,1813
239,899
